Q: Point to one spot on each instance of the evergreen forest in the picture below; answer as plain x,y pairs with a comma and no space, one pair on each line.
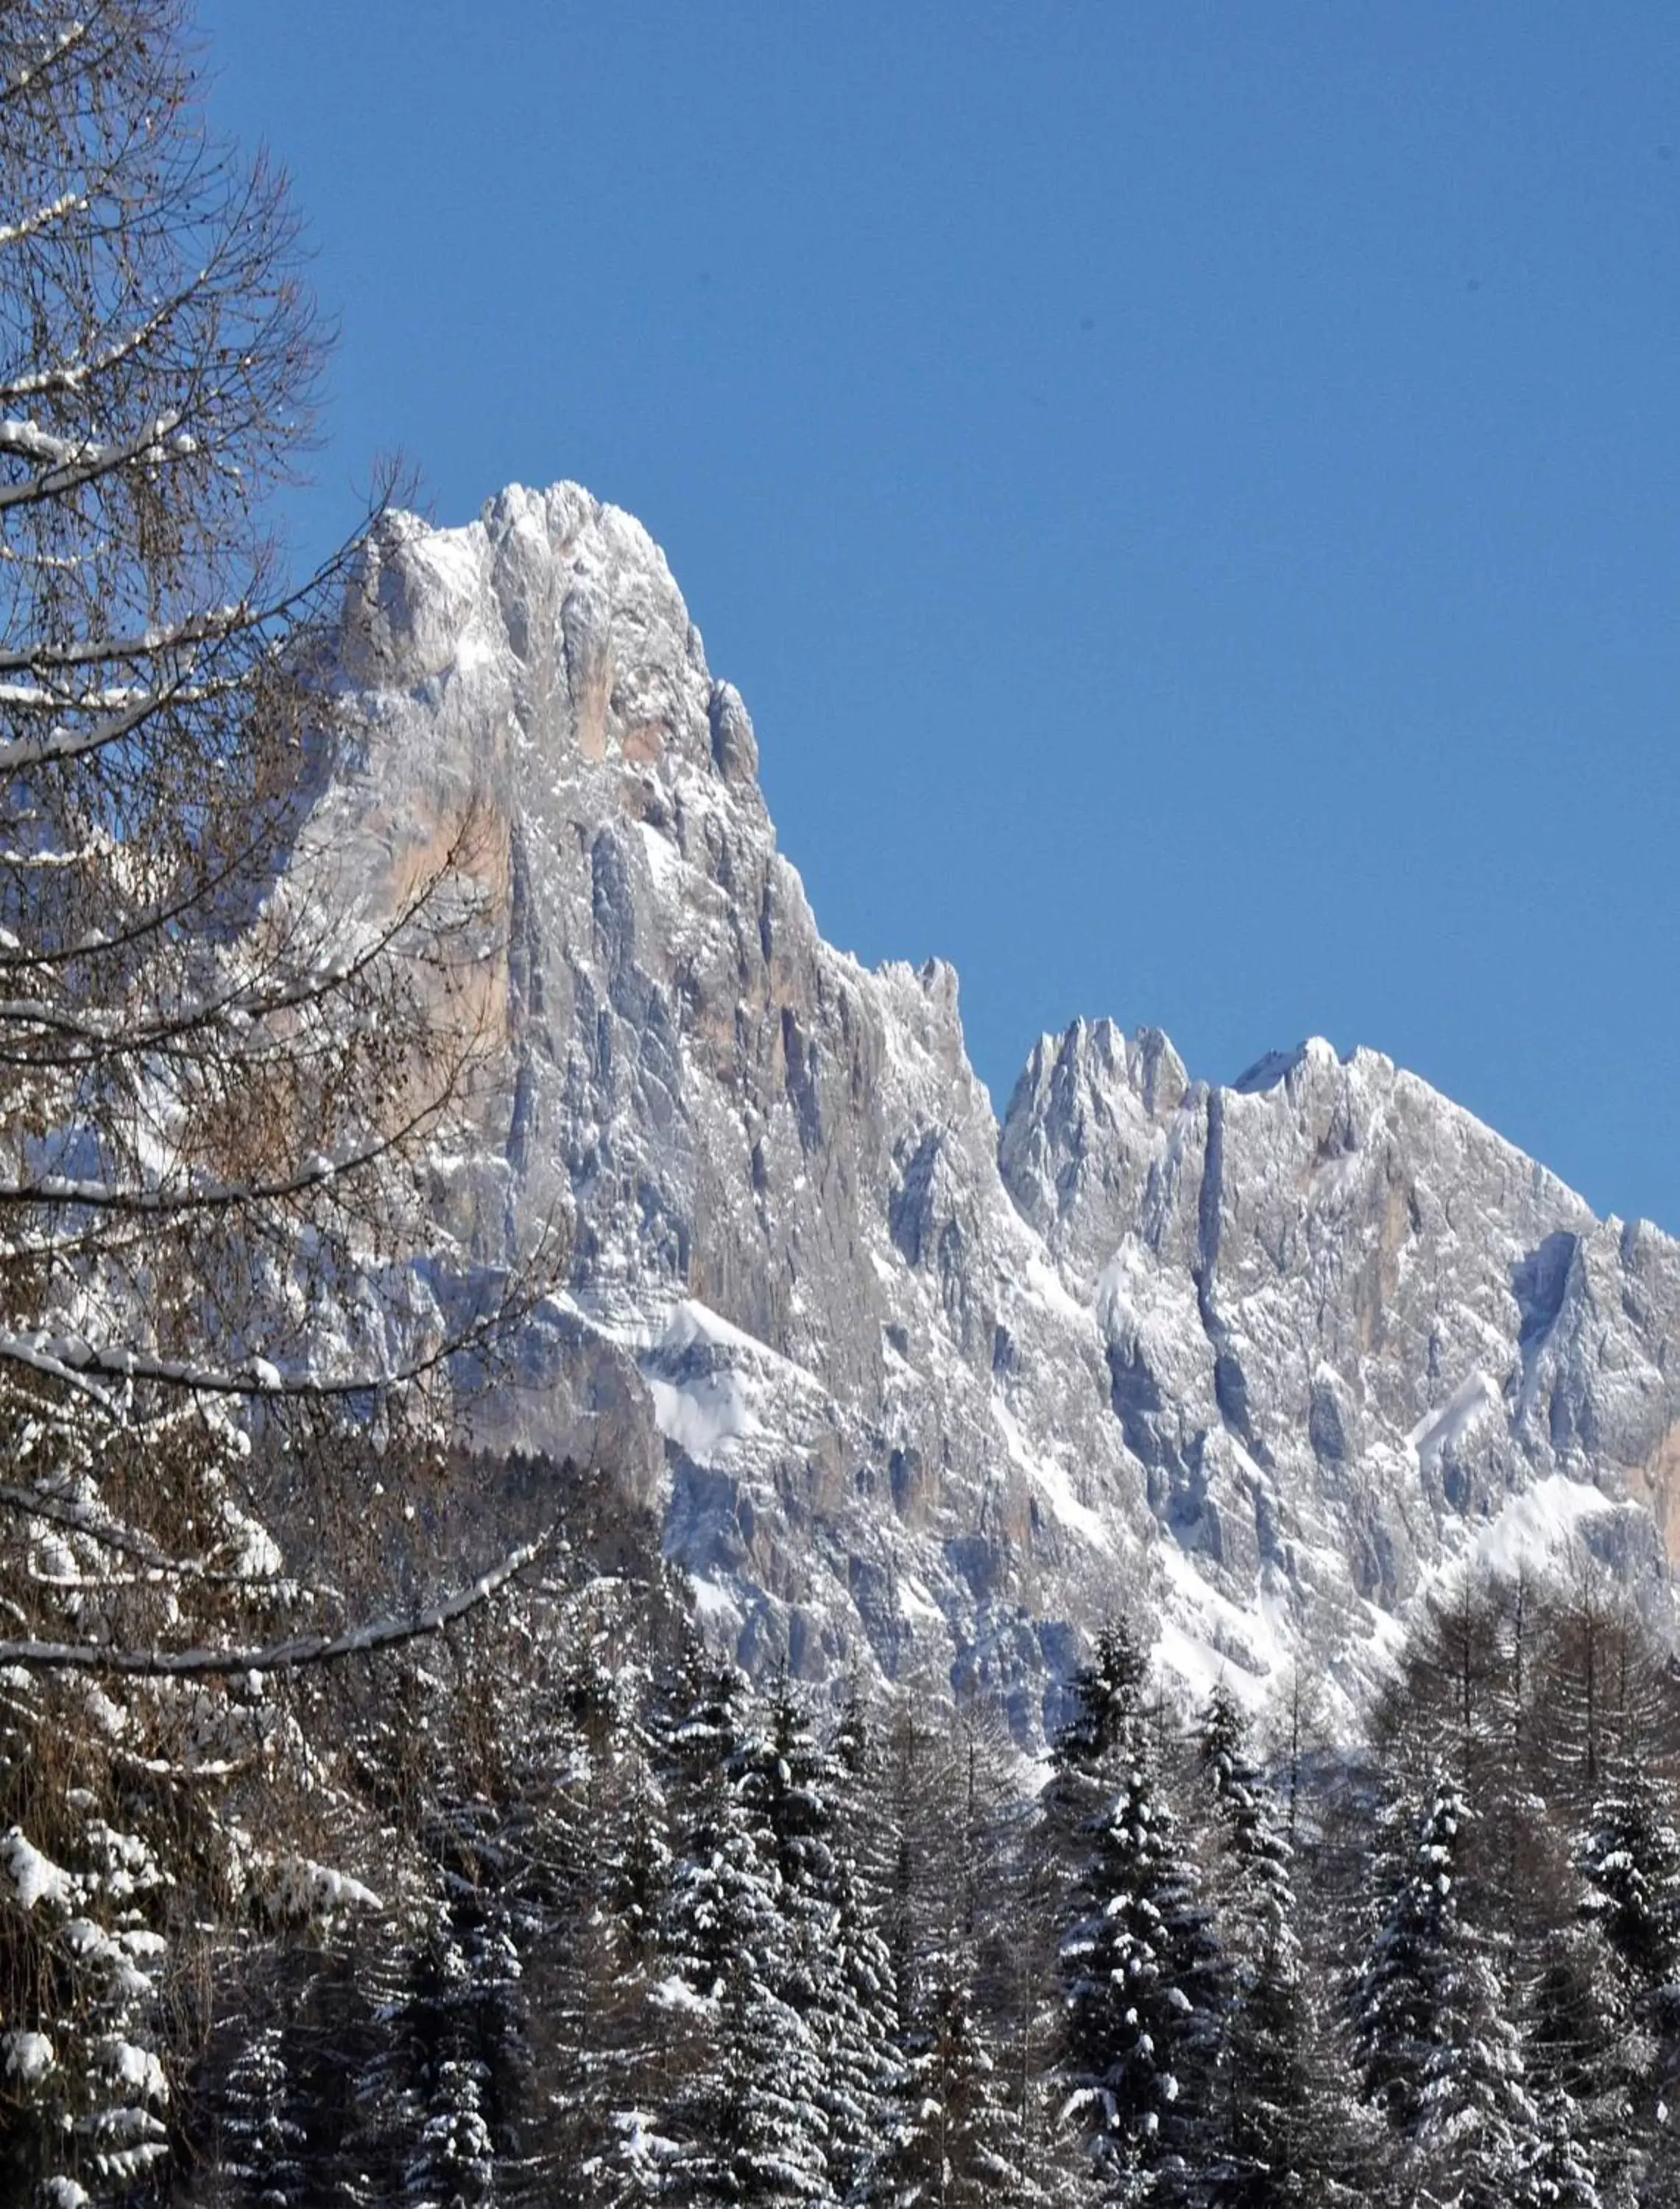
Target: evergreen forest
568,1910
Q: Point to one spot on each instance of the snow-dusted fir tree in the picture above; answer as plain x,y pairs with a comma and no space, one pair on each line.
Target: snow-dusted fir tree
860,2055
1436,2050
717,1881
962,1942
744,2117
1106,1730
86,2092
1560,2174
451,2162
1629,1859
954,2139
1574,2063
611,2028
1146,1983
260,2148
1275,2120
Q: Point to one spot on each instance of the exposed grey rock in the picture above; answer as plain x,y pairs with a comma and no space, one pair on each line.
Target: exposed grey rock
1258,1361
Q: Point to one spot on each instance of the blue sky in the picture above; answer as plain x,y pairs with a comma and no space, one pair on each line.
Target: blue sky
1190,494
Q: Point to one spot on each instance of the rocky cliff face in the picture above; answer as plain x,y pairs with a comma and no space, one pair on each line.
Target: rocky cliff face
1258,1362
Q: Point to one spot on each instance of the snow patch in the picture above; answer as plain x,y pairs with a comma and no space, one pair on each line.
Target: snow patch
1051,1291
693,1321
714,1602
1439,1429
1206,1638
1533,1528
676,1994
298,1887
915,1601
135,2067
664,861
702,1414
709,1380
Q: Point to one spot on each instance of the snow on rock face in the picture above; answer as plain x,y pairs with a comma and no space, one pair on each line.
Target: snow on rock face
908,1392
1345,1323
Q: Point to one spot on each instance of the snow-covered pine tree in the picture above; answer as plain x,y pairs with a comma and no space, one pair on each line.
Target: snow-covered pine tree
1629,1859
965,2126
1146,1983
260,2150
861,2061
81,2049
1275,2124
450,2156
744,2118
1576,2073
573,1871
957,2140
274,2088
1560,2173
1436,2052
717,1883
1106,1730
465,2016
621,2027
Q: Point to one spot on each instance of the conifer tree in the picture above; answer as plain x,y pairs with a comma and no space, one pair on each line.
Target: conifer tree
1106,1730
1273,2123
590,1895
1146,1986
861,2064
1576,2073
1436,2051
745,2119
1560,2173
958,2145
1628,1857
965,2122
260,2159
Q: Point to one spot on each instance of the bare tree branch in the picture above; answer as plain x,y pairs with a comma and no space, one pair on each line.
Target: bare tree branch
278,1656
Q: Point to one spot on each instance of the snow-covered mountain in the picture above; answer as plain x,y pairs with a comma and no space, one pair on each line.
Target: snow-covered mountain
913,1392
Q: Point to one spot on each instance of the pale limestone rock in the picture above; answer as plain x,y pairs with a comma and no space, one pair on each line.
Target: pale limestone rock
1255,1363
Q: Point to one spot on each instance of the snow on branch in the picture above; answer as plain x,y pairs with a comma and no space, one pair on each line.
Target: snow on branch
88,1368
281,1656
73,35
145,644
42,217
78,1518
67,377
69,463
63,744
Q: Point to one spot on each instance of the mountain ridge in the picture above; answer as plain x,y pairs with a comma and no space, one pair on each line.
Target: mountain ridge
912,1385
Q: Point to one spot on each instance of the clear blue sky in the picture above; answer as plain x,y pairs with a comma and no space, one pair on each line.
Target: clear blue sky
1190,493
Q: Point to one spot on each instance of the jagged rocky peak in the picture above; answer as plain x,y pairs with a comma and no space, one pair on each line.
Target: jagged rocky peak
1085,1128
1257,1363
1401,1319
